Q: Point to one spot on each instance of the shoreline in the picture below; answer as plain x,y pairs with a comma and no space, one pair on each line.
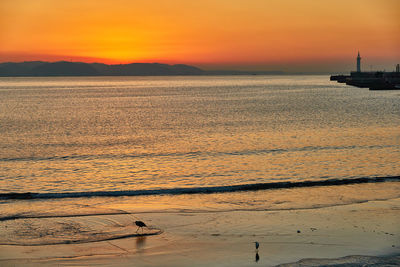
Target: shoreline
311,236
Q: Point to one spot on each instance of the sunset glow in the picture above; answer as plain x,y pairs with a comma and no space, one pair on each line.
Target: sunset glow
254,34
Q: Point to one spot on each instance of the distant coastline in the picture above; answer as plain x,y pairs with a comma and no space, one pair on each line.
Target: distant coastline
66,68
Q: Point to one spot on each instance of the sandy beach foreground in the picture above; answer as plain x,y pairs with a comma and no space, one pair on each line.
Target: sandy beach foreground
303,237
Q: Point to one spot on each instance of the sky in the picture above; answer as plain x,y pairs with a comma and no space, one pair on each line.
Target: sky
287,35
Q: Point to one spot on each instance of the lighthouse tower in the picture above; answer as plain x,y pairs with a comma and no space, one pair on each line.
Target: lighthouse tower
358,62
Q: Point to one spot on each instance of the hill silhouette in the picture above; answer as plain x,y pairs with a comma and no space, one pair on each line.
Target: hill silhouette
65,68
19,69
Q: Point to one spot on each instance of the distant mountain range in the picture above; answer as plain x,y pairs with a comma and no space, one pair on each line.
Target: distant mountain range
65,68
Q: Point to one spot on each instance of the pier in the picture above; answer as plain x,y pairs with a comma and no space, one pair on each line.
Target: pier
374,80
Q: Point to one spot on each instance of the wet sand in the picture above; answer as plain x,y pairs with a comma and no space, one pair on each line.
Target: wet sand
318,236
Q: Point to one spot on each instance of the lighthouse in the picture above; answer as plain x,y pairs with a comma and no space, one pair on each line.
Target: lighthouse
358,62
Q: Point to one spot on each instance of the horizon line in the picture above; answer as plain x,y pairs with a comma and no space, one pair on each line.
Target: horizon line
294,68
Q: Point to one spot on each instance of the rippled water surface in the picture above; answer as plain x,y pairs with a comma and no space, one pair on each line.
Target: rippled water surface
129,133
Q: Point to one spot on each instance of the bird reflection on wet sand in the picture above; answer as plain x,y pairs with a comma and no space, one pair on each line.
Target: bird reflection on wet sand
257,257
140,243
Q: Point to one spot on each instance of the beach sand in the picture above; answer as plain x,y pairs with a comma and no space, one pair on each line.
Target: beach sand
317,236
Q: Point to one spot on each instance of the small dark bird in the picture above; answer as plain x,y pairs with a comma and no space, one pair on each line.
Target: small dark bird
140,224
257,245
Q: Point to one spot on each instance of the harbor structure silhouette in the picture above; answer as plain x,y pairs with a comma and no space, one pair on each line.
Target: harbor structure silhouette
374,80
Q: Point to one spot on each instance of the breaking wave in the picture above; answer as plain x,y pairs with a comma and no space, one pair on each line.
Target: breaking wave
202,190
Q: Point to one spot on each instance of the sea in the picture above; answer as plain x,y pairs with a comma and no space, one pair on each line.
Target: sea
78,147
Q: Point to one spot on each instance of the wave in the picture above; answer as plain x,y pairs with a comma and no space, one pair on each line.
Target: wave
77,241
77,229
185,154
43,216
202,190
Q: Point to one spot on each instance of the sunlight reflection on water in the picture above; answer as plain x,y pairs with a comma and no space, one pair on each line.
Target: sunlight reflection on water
122,133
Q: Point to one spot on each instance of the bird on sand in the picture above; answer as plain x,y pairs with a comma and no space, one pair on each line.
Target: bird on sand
257,245
140,224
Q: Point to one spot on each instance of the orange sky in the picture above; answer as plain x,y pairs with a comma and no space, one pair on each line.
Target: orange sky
231,34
